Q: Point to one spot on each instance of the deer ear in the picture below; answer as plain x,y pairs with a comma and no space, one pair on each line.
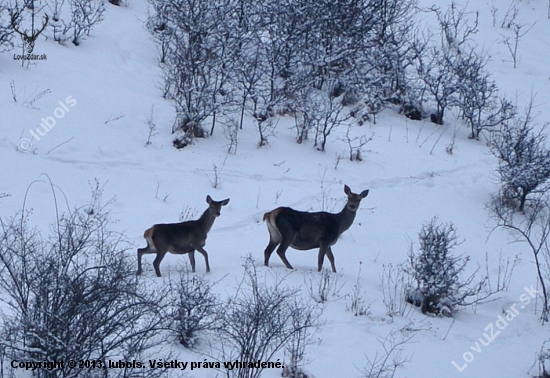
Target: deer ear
364,193
208,199
347,190
225,201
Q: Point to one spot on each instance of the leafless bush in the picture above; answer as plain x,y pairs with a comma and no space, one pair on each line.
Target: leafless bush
395,284
7,9
231,131
151,125
513,44
298,342
356,144
385,364
505,271
523,159
322,287
479,101
261,319
73,295
192,308
358,305
532,228
544,360
510,15
84,16
439,287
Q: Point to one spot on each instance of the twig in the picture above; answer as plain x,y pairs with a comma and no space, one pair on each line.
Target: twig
449,330
13,91
37,97
113,119
59,145
152,126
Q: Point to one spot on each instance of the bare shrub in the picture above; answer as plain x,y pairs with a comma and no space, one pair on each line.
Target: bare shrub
7,9
395,282
357,304
73,295
356,144
523,159
192,308
533,229
385,364
260,320
439,288
324,286
84,16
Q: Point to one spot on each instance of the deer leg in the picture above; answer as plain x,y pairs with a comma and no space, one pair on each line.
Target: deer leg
203,252
156,263
321,257
140,253
192,260
269,250
281,252
274,240
331,259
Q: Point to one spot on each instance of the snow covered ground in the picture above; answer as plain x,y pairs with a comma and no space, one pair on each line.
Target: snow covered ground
113,79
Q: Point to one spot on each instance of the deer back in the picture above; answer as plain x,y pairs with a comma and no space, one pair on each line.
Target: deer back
308,229
182,237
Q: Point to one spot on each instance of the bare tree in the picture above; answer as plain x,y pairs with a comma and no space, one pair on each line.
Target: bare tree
196,56
523,158
478,100
329,115
440,81
512,45
436,69
533,229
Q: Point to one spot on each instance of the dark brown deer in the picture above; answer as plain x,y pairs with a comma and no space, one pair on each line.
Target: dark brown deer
302,230
181,238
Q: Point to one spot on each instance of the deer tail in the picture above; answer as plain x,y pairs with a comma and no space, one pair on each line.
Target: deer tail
270,218
271,215
148,235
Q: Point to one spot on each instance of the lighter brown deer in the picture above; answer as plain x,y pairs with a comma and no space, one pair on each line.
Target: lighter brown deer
181,238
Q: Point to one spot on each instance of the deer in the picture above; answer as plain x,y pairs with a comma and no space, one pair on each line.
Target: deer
306,230
181,238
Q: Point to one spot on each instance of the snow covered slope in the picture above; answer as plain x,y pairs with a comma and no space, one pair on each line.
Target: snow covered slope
113,82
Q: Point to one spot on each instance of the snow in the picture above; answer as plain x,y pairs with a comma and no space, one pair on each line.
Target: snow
114,78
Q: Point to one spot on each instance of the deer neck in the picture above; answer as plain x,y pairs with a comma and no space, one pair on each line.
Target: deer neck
207,220
345,219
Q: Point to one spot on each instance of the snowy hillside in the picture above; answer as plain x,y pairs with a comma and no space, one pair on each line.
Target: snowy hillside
101,94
